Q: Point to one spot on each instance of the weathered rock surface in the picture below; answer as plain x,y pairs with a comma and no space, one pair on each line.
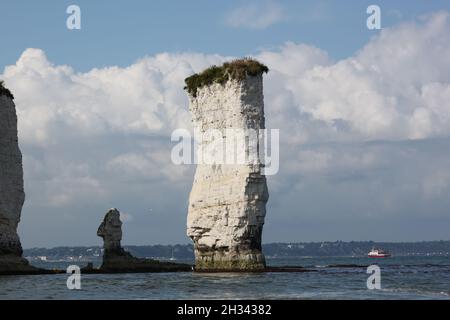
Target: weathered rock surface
12,195
117,260
110,230
227,203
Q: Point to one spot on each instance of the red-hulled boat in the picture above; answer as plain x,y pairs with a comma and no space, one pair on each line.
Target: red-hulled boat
378,253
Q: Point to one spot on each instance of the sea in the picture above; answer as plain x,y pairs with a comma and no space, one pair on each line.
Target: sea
409,277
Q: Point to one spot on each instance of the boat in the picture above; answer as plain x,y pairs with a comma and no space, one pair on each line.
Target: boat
378,253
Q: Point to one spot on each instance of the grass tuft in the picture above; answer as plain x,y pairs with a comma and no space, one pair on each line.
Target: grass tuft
237,69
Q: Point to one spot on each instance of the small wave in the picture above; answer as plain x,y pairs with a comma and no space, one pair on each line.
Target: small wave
322,266
416,291
426,265
346,266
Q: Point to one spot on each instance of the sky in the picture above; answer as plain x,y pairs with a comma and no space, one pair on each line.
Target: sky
364,115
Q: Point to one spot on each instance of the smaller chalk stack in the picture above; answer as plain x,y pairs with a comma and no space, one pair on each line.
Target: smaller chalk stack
117,260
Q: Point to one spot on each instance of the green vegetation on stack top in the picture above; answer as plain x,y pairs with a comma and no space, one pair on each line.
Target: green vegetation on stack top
236,69
4,91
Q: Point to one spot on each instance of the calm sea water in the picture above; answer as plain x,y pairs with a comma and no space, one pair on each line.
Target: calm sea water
401,278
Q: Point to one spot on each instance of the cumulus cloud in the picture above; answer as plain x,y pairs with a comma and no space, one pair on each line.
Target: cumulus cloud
396,87
393,88
125,217
144,98
153,165
101,138
258,15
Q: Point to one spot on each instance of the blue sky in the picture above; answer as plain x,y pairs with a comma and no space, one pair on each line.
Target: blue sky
363,115
119,32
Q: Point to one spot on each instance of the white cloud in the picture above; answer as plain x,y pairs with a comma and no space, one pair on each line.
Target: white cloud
152,165
396,87
257,15
144,98
308,161
126,217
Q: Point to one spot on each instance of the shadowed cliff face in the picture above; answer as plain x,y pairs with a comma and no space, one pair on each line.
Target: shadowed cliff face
111,230
227,204
12,194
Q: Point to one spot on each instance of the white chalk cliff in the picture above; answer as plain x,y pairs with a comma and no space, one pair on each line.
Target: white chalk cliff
12,195
227,203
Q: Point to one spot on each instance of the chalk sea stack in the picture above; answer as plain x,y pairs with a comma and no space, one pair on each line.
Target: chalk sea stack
117,260
227,203
12,195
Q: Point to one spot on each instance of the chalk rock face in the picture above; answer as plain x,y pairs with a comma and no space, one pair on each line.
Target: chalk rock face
111,230
227,203
12,194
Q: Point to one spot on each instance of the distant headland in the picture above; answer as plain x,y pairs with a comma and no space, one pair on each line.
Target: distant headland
271,250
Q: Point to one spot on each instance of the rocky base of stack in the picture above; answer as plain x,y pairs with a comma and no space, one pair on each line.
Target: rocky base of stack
217,261
226,225
123,262
13,265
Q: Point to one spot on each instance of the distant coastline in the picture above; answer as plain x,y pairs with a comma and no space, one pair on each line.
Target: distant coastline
271,250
